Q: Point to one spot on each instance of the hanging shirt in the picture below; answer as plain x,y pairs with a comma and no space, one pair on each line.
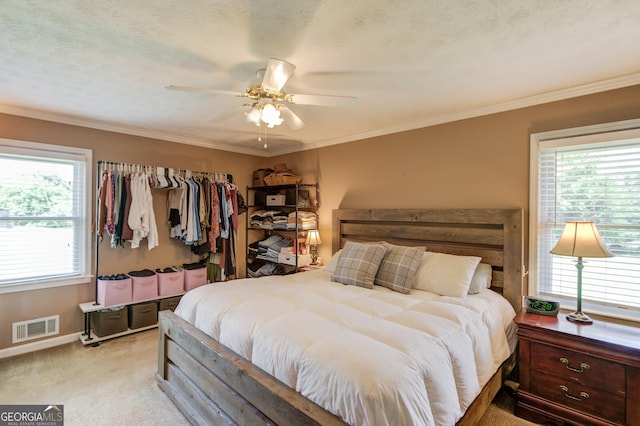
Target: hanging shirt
184,208
109,202
141,216
102,207
127,233
214,230
224,207
194,232
120,204
175,201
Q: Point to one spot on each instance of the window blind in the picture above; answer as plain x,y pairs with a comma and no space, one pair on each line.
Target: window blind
597,182
43,216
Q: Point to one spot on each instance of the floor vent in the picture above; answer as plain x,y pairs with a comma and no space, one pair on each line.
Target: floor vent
35,328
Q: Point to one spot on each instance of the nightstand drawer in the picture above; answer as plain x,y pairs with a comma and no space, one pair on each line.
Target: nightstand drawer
577,367
583,398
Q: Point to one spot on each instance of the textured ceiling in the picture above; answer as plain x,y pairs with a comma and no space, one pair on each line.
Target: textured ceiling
104,64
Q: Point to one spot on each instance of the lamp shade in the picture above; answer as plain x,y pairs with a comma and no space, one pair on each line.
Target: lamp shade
313,238
581,239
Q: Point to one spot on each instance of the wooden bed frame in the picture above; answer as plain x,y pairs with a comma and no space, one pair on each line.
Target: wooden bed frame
211,384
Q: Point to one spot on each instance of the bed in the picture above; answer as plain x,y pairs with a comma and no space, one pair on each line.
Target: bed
211,383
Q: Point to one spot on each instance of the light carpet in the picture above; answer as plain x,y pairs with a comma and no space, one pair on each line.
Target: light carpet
115,384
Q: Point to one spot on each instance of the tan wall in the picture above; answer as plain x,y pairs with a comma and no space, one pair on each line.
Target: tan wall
476,163
108,146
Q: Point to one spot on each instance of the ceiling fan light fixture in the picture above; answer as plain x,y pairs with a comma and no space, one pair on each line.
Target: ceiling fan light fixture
269,99
270,115
254,116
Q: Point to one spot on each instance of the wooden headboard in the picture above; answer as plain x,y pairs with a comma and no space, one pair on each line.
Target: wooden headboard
496,235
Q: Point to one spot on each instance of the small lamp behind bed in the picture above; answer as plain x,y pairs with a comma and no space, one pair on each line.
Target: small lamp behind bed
313,239
580,239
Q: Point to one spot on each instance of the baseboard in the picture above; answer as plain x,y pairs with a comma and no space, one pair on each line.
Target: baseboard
39,345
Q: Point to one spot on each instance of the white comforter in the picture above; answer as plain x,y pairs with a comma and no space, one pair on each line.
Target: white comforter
372,357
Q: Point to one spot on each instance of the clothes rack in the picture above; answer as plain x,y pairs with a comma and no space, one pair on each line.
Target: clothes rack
152,171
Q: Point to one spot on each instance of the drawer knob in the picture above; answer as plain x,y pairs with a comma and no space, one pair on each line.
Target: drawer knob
583,395
583,366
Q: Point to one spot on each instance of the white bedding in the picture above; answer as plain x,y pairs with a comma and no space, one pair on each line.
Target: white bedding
372,357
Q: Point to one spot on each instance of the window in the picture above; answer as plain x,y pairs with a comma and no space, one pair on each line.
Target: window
44,209
588,174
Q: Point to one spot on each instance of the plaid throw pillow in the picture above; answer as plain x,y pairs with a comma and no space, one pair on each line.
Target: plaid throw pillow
358,264
399,267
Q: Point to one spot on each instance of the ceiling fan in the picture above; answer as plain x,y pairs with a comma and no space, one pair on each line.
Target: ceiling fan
268,98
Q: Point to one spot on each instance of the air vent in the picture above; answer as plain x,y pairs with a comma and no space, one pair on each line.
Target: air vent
35,328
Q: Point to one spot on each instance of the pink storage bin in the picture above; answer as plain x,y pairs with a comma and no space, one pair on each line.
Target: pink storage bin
145,287
194,278
114,292
170,283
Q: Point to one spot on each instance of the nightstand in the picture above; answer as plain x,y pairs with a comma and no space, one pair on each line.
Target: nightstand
577,374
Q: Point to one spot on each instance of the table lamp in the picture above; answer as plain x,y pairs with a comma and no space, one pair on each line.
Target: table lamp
313,239
580,239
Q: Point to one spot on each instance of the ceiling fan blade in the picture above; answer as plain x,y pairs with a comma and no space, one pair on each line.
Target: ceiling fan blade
226,115
277,73
205,90
322,100
290,118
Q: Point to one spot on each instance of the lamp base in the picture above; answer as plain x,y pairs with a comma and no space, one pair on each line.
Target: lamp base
579,317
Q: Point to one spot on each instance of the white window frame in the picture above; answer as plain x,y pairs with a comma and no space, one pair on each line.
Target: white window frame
40,150
600,133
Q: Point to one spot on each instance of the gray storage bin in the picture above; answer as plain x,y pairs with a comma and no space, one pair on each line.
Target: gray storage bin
107,322
143,315
169,303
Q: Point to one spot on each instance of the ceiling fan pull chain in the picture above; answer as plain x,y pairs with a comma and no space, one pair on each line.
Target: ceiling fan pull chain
265,135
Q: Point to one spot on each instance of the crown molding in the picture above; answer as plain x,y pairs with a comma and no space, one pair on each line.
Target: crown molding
117,128
553,96
543,98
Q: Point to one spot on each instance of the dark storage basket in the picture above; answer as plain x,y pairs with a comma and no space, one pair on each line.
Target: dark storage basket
169,303
143,315
259,175
107,322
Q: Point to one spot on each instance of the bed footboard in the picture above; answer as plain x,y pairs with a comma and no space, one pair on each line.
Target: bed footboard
211,384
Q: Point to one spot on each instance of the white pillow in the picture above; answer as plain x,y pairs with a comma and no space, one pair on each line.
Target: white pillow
481,278
446,274
331,266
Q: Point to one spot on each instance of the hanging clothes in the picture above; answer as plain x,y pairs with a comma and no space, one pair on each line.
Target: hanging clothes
141,216
214,220
175,201
202,211
119,211
127,232
110,201
194,232
102,207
